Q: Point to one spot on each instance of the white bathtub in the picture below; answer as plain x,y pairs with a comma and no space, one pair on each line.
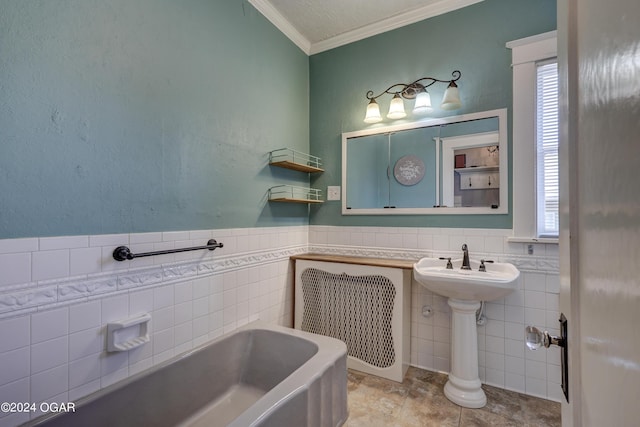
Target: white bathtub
260,375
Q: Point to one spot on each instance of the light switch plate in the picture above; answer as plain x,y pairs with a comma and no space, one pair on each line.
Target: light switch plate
333,192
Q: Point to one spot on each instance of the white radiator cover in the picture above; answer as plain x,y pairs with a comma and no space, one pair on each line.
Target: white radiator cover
367,307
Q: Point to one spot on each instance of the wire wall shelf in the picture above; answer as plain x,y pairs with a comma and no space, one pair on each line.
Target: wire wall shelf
296,160
294,194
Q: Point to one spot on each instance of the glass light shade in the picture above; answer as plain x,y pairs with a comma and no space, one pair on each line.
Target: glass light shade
451,99
373,112
423,103
396,108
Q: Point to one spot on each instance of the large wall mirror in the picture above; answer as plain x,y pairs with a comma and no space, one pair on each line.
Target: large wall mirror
452,165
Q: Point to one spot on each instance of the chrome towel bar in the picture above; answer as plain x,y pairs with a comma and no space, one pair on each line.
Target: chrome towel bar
123,253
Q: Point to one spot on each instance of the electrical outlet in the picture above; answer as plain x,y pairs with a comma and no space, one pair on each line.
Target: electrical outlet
333,192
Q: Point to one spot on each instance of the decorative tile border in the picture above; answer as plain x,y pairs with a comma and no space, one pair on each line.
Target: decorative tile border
525,263
33,296
22,298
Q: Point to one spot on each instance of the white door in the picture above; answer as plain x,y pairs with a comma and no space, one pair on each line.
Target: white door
599,57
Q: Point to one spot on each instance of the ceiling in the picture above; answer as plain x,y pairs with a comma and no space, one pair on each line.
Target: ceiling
319,25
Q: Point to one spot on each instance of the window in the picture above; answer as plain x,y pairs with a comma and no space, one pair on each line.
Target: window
547,215
535,138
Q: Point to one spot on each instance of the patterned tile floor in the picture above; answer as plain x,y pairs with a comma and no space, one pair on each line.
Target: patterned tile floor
420,401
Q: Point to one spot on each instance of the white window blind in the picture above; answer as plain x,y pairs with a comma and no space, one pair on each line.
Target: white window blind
547,149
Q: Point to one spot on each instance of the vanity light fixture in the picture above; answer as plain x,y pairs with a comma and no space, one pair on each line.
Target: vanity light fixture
416,90
396,108
373,112
451,99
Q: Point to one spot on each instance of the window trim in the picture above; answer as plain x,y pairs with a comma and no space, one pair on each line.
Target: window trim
525,54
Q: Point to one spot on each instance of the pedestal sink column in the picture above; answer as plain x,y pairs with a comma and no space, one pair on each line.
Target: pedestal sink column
464,387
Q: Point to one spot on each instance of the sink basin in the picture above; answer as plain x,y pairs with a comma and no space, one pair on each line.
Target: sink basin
471,285
464,290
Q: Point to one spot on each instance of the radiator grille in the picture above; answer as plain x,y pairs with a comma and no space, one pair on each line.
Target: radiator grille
355,309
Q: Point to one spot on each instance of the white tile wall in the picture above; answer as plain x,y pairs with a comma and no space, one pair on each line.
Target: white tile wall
504,360
53,348
15,267
58,293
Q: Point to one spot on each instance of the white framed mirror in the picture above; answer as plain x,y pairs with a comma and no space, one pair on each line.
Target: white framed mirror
452,165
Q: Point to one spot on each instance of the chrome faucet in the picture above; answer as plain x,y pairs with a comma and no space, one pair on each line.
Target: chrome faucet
466,265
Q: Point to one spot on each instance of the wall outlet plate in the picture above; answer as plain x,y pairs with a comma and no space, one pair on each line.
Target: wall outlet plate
333,192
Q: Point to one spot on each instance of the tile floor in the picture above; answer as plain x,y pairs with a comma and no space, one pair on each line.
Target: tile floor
420,401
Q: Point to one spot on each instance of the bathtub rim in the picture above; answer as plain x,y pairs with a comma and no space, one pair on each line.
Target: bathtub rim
329,351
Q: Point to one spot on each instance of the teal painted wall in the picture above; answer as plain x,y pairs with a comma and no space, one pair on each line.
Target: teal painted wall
121,116
471,40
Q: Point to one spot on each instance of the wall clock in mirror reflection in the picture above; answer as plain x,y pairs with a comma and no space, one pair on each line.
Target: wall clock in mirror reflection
409,170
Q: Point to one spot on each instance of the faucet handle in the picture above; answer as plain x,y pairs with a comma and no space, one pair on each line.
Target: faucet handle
482,266
449,264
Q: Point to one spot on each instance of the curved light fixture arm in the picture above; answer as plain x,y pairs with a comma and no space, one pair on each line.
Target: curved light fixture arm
410,90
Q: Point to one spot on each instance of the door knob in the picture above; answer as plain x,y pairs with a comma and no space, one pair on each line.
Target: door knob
535,338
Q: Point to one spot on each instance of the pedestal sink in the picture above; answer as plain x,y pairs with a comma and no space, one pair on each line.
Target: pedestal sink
464,290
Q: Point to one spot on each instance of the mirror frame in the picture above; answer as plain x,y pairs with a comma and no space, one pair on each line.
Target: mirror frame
503,133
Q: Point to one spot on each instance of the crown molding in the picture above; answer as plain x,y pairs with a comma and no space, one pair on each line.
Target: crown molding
406,18
281,23
397,21
401,20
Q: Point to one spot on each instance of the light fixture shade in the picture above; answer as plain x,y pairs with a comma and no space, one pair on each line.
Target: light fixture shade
451,99
396,108
423,103
373,112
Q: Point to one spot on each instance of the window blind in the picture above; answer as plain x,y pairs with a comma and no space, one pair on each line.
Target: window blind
547,185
